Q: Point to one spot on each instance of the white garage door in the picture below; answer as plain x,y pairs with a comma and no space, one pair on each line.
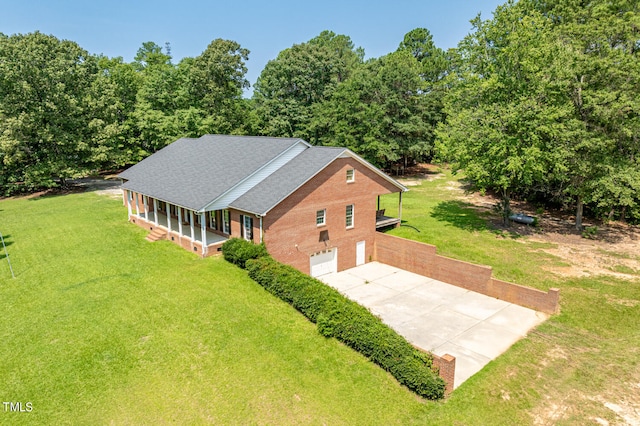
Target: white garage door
324,262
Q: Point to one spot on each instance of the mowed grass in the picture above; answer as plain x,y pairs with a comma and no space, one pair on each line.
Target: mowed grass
103,327
582,366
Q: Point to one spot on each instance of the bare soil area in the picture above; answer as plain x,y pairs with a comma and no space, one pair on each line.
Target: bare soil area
612,249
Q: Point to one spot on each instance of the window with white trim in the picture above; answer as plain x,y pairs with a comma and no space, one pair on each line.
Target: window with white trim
321,217
349,216
213,223
247,227
351,175
226,222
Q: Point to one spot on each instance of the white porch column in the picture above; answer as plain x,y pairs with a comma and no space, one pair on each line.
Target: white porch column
400,207
128,201
203,229
180,221
138,205
169,216
193,234
155,211
145,202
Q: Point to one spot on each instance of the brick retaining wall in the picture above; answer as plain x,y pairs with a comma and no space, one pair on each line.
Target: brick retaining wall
183,241
422,259
446,366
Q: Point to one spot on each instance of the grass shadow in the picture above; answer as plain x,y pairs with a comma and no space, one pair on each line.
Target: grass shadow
465,216
7,243
95,280
459,214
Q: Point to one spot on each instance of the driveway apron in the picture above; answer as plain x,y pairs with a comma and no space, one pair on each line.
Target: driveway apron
438,317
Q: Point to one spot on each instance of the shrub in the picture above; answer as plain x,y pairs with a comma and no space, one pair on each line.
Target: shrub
590,232
238,251
336,316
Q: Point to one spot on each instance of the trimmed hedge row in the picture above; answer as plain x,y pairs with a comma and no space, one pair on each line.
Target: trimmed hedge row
336,316
238,251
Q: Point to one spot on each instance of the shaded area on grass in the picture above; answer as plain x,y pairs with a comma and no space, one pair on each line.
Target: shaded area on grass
459,214
7,243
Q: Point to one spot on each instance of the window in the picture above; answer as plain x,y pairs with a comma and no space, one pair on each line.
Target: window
213,224
321,217
226,222
349,216
247,227
351,175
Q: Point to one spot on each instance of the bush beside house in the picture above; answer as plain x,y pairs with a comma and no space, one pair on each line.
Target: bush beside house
336,316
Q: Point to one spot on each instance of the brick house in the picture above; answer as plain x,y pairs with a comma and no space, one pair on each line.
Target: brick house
315,208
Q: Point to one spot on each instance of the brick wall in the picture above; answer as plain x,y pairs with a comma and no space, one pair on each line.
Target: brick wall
290,231
446,366
422,259
236,225
174,236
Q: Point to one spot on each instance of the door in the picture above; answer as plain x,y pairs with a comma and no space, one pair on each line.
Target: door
360,245
324,262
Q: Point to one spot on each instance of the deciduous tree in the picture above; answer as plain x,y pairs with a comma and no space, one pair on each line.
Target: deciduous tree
44,111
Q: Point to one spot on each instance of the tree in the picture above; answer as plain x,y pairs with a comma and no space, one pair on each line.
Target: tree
505,107
44,116
112,100
603,76
198,95
300,77
419,43
551,77
150,54
381,112
216,80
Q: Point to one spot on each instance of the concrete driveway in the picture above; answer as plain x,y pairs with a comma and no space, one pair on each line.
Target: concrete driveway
440,318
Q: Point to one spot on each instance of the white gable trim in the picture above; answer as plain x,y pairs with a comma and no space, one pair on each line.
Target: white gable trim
348,153
235,192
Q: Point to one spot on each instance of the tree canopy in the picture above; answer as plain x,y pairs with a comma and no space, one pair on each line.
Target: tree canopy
538,102
544,104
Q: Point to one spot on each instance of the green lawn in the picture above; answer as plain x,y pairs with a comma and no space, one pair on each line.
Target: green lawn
101,326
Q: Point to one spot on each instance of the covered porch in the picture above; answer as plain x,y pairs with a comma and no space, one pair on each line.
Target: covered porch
384,218
191,230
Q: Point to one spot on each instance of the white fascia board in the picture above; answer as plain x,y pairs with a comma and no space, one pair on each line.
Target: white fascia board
159,199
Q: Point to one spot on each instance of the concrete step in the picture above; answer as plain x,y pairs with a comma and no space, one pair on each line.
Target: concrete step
156,235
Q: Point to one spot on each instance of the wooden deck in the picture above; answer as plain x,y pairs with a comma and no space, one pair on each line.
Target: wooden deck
387,222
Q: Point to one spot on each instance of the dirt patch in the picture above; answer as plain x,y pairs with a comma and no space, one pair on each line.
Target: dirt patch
415,175
109,186
612,249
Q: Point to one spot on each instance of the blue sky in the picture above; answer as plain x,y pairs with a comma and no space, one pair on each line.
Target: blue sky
119,27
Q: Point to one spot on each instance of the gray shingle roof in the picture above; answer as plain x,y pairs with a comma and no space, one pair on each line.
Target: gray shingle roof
280,184
193,172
